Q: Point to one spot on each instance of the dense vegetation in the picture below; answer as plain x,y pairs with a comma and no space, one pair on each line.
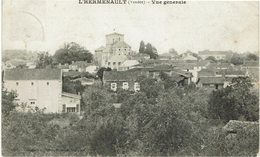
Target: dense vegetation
155,121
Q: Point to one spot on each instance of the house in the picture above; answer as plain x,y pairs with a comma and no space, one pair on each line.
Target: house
40,88
70,103
127,80
92,69
64,68
79,66
218,55
116,50
128,64
211,82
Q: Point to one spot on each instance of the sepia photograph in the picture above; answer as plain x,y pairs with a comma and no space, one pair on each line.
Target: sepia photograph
129,78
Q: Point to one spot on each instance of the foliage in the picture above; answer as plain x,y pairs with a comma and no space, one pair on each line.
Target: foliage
211,58
142,47
69,86
8,103
101,71
252,57
155,121
234,102
44,60
72,52
236,59
148,49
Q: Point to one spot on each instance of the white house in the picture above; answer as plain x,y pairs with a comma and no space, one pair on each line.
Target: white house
40,88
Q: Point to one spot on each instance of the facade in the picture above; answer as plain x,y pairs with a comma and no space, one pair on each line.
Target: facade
126,80
36,87
41,88
70,103
114,53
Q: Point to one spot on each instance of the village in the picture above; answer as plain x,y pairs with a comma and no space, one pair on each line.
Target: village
116,73
207,69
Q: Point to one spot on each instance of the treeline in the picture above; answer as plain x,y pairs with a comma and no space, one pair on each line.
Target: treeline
160,120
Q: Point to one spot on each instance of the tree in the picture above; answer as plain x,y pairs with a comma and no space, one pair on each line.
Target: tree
101,71
8,103
142,47
173,52
252,57
235,102
72,52
44,60
151,50
69,86
211,58
236,59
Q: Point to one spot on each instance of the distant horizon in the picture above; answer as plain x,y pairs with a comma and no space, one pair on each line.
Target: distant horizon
196,26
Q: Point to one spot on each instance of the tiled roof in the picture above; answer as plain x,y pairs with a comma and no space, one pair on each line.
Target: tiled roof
211,80
206,72
33,74
231,72
120,44
129,63
121,75
82,63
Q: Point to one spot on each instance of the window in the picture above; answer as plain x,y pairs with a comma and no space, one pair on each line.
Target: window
63,108
125,85
108,63
119,63
32,102
32,83
136,86
114,63
48,83
113,86
77,108
119,49
71,109
17,83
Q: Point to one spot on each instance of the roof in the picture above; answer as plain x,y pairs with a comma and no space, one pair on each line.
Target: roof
207,52
231,72
121,75
114,34
206,72
33,74
71,95
211,80
129,63
235,125
121,44
82,63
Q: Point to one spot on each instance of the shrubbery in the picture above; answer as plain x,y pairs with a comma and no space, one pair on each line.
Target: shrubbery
158,121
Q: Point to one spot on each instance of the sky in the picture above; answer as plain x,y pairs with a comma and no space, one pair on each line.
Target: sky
45,25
